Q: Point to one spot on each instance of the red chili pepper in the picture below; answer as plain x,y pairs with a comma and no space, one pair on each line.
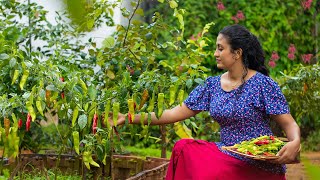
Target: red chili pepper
20,123
249,153
95,123
262,142
28,122
130,118
272,137
267,154
62,94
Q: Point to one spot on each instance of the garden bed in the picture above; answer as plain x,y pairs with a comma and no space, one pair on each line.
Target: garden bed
123,167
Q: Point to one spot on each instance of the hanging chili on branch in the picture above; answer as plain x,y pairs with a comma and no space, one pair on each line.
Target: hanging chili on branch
15,76
106,113
76,141
24,78
115,111
95,123
75,115
131,110
28,122
172,94
31,110
180,96
6,123
62,93
144,98
160,104
151,102
20,123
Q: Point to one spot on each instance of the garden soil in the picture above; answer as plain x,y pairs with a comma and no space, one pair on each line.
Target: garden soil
297,171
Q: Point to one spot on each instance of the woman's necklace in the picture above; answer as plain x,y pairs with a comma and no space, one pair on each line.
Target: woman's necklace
233,85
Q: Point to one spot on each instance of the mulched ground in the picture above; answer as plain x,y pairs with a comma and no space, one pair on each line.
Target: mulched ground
297,171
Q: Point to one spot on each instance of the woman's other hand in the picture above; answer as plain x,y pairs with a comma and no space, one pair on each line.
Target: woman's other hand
288,153
120,121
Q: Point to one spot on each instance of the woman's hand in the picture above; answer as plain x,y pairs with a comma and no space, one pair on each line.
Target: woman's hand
288,153
120,121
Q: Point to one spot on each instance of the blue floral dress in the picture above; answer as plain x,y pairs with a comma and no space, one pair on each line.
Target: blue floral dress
242,113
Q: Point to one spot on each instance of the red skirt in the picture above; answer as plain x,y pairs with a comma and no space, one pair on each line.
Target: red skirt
202,160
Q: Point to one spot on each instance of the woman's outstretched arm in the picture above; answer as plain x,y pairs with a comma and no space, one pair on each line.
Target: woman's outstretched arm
169,116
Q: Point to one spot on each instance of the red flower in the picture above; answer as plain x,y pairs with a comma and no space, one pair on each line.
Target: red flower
220,6
236,20
307,4
193,38
306,58
61,79
272,63
199,34
292,48
240,15
275,56
291,56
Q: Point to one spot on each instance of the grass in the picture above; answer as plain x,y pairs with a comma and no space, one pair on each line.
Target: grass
144,152
312,171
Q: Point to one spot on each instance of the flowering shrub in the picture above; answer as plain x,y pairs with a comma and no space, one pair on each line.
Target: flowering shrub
286,29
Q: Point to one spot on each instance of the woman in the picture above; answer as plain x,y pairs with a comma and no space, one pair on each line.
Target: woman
242,100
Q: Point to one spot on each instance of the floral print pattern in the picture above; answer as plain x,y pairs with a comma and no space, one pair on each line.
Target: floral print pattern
242,113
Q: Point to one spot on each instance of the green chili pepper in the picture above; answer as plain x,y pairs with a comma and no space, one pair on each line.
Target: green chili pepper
24,79
180,96
83,86
76,141
172,95
31,110
106,113
160,104
75,115
86,159
15,76
151,103
131,109
115,111
39,107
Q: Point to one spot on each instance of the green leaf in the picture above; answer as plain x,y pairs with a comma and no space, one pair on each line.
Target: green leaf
90,24
161,1
82,121
51,88
4,56
92,91
108,42
189,83
173,4
199,81
140,12
13,62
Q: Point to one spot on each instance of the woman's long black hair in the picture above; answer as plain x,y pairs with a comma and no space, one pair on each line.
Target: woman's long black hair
252,53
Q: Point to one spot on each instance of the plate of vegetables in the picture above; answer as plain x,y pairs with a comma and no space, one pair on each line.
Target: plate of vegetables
260,148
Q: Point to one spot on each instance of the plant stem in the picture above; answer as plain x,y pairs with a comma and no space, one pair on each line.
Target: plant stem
129,22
